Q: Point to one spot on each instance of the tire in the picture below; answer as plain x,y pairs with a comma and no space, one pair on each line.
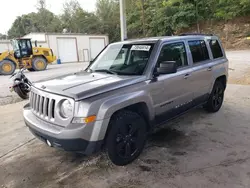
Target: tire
20,93
126,137
31,70
216,97
7,67
39,64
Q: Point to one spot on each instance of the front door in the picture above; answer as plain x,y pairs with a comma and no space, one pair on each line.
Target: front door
176,91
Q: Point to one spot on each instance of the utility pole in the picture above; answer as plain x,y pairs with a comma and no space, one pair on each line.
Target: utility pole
123,20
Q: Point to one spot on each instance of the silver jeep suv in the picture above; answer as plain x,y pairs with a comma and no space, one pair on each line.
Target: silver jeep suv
130,88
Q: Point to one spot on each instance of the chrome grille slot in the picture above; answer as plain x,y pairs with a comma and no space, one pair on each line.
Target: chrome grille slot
50,109
53,108
46,107
41,105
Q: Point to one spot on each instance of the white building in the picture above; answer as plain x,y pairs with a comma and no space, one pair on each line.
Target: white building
69,47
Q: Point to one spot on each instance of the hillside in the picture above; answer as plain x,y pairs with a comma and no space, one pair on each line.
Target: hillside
233,33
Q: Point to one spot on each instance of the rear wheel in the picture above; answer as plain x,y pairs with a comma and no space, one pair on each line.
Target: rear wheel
216,98
31,70
7,67
126,137
39,64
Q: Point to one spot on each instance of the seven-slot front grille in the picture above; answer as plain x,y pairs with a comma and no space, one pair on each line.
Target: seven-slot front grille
42,106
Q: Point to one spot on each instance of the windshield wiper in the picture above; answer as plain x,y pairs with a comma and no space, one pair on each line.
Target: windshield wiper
105,70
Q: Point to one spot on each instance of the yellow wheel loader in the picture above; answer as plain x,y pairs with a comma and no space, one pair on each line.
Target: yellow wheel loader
24,55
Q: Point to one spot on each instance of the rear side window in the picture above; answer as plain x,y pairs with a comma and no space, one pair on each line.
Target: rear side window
216,49
199,50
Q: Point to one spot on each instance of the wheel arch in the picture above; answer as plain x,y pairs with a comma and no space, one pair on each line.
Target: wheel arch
140,108
136,102
222,79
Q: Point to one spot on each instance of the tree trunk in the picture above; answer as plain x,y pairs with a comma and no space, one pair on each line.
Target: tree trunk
197,16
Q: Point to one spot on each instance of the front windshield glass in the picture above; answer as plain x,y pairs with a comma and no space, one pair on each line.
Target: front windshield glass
15,45
16,49
123,59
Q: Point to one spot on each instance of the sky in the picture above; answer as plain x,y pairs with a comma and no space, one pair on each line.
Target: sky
14,8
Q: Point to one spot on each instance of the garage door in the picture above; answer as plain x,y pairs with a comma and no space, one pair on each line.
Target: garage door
96,46
67,50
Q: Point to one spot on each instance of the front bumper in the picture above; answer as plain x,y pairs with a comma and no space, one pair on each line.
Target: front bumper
59,137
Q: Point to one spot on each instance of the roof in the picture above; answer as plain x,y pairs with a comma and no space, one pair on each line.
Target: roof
84,34
170,38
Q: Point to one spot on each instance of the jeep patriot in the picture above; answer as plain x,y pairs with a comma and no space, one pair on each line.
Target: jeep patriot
127,90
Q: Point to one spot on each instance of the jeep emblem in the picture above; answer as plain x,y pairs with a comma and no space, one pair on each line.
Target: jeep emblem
43,87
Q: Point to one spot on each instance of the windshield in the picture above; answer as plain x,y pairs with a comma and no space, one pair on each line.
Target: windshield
15,45
16,49
123,59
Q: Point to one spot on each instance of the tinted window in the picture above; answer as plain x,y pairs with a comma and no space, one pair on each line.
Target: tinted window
174,52
216,49
199,50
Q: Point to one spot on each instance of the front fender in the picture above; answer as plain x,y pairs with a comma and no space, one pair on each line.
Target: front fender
110,106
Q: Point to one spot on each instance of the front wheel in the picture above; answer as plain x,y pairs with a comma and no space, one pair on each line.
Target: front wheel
21,93
216,97
126,137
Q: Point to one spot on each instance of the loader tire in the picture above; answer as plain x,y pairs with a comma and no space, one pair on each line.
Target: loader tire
39,64
31,70
7,67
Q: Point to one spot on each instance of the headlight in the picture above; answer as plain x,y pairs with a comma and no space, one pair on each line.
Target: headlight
66,109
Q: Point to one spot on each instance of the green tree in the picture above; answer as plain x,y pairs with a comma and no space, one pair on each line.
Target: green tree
76,20
108,13
42,21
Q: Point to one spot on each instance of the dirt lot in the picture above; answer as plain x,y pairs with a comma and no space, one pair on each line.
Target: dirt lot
197,150
239,68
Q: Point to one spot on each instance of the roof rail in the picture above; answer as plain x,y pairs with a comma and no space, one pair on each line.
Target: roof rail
199,34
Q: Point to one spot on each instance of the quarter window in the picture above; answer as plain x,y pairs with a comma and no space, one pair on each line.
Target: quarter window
216,49
174,52
199,50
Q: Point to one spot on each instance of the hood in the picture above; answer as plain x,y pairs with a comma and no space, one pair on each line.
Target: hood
84,85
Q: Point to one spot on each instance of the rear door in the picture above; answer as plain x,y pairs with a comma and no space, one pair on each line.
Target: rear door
202,68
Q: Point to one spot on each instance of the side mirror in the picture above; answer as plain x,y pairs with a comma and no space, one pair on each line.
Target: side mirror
167,67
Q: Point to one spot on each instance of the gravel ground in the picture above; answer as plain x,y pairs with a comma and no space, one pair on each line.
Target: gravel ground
196,150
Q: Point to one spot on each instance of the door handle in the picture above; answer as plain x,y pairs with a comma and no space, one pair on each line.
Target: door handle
186,76
209,68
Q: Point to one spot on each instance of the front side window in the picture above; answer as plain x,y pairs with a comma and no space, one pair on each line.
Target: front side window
123,59
198,50
174,52
216,49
